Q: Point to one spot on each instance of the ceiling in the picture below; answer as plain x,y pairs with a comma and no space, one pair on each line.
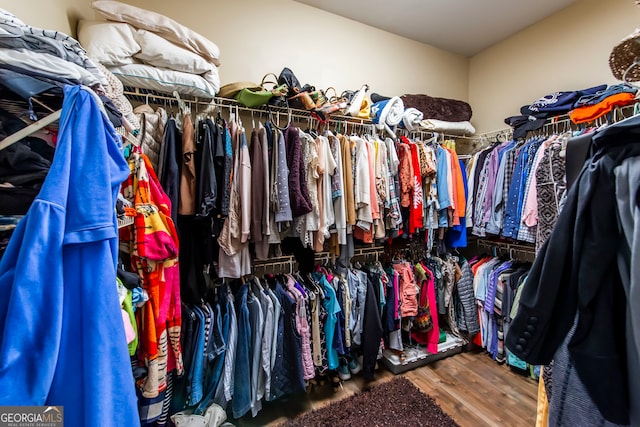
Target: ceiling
465,27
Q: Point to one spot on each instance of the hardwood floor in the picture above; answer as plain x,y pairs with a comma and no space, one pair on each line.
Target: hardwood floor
471,387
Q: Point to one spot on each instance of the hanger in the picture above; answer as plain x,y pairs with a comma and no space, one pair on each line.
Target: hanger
33,127
208,110
184,109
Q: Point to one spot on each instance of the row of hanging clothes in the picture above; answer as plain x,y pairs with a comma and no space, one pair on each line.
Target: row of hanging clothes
263,338
428,298
205,193
517,187
338,321
497,284
578,306
238,196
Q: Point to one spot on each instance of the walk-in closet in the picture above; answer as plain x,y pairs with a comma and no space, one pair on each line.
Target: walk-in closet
319,213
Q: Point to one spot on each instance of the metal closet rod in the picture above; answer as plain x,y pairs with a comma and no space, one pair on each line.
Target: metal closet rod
289,263
142,95
508,247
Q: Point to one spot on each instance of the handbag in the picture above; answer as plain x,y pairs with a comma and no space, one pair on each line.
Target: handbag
355,105
287,77
298,96
252,97
280,91
302,101
230,90
333,104
422,322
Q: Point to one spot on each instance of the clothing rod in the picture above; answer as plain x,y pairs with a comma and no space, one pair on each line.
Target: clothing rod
142,96
32,128
289,260
415,133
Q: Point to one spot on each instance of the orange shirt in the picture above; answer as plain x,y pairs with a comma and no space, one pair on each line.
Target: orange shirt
591,112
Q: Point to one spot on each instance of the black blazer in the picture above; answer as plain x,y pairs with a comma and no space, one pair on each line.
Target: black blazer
576,272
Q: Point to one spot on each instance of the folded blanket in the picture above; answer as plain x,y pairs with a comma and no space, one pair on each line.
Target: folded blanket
40,64
15,34
454,128
411,118
450,110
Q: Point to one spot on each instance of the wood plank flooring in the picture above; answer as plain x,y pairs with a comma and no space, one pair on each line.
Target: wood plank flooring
471,387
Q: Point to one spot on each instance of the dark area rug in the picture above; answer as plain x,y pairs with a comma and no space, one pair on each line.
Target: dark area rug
393,403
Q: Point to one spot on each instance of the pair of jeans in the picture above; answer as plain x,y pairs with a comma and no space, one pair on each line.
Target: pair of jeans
213,380
357,281
195,385
224,390
242,382
256,322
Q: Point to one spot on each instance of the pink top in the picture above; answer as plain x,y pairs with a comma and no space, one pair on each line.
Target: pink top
303,329
530,209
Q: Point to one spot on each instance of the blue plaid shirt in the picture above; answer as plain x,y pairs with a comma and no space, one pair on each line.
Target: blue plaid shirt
511,214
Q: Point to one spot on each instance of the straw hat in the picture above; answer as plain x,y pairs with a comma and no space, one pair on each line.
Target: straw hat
625,58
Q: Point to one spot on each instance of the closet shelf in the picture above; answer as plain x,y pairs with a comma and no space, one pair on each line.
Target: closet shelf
419,356
144,96
563,121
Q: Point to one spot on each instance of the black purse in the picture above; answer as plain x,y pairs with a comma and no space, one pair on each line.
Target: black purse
288,78
280,91
295,89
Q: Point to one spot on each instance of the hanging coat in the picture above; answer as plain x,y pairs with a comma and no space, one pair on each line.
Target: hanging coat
63,339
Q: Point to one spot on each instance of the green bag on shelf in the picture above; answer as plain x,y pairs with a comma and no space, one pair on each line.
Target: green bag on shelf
251,97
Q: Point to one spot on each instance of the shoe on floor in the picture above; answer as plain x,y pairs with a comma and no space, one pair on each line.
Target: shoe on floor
354,366
343,370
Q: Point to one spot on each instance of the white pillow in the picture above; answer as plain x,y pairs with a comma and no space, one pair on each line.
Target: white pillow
109,43
163,80
159,24
157,51
213,78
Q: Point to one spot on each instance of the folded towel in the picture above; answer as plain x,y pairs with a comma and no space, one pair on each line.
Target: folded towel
411,118
455,128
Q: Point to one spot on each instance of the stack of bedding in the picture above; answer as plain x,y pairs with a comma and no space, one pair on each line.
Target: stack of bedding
148,50
47,55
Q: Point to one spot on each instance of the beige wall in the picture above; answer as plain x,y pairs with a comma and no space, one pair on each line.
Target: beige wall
569,50
60,15
257,36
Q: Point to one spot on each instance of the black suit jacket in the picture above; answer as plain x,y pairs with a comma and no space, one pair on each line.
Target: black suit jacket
576,273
